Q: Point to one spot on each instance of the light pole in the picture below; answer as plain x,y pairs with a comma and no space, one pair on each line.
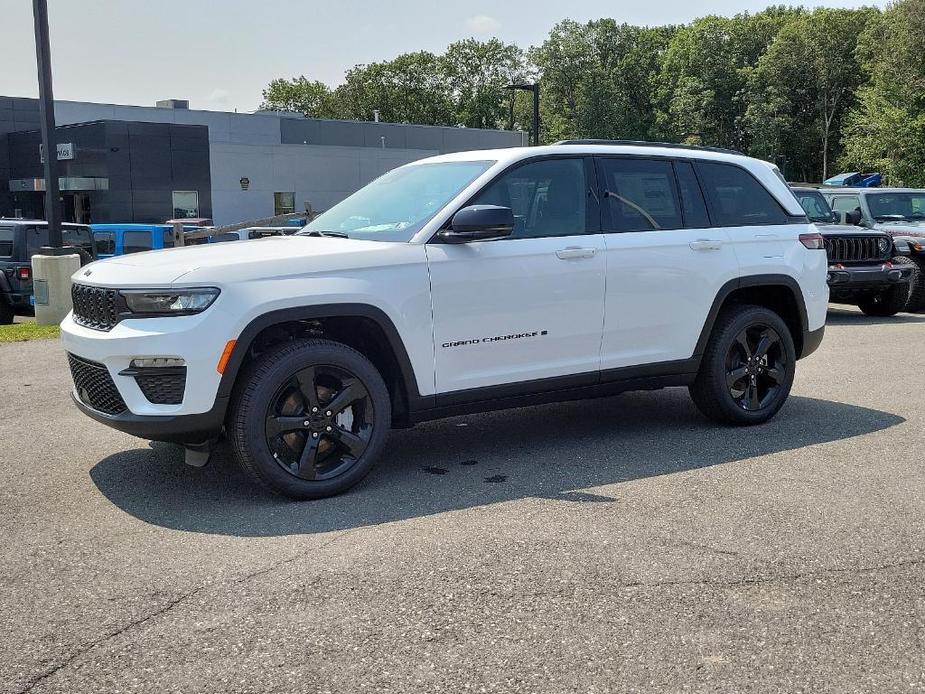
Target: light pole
53,266
535,88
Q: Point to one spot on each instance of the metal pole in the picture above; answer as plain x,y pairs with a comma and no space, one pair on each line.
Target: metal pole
47,116
536,114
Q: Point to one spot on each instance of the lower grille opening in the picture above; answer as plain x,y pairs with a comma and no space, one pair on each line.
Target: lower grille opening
165,388
94,385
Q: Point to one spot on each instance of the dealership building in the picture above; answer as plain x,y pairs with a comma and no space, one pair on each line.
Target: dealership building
150,164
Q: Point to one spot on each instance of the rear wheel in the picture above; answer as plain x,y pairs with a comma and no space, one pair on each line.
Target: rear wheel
747,369
6,314
309,419
916,300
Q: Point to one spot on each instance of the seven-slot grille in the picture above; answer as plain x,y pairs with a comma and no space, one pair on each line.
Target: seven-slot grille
852,249
95,307
94,385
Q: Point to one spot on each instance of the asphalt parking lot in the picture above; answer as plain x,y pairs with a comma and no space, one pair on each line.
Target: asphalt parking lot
623,544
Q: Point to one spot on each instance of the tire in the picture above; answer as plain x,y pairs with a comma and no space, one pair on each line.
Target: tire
916,300
890,301
287,447
763,369
6,314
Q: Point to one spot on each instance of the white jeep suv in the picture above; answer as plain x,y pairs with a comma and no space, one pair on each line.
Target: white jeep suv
459,283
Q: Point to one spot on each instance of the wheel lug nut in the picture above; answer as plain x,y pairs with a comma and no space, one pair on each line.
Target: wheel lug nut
327,428
328,413
315,435
306,423
314,409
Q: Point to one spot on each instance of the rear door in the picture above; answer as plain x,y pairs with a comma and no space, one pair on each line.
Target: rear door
665,263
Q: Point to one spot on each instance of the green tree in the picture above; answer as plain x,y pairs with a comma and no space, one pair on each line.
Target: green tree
299,95
703,77
801,88
477,72
409,89
886,129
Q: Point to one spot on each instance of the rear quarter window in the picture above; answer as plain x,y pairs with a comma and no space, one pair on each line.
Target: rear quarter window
736,198
6,242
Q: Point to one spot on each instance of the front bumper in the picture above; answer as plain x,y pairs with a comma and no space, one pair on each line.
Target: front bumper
867,276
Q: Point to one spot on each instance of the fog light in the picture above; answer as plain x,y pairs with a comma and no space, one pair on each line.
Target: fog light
157,362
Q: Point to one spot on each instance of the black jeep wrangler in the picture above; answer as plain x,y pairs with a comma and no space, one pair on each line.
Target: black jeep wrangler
20,239
865,269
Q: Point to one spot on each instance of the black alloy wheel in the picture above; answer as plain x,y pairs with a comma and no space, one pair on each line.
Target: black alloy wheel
319,422
756,367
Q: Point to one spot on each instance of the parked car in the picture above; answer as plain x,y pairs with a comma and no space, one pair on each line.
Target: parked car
899,212
20,239
464,282
250,233
864,267
121,239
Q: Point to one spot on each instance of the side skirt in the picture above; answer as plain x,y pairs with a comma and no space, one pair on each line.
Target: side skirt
560,389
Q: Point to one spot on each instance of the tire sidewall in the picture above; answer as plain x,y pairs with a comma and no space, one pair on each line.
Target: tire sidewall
717,370
278,367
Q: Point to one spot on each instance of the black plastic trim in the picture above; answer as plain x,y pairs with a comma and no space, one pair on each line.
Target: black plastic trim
811,341
744,283
188,428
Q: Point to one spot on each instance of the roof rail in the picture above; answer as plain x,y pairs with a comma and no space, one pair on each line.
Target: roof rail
644,143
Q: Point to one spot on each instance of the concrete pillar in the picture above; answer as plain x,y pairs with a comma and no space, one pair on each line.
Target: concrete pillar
51,282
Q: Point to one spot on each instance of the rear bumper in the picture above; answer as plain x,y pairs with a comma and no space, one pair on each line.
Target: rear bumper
184,429
867,277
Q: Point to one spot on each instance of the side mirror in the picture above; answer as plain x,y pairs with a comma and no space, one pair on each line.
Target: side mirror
853,217
479,223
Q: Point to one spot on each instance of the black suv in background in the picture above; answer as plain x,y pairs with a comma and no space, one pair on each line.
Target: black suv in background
20,239
864,267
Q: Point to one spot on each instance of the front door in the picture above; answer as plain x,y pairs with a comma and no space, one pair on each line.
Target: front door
530,306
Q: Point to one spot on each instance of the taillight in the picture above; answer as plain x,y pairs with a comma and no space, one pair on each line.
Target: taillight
25,273
814,242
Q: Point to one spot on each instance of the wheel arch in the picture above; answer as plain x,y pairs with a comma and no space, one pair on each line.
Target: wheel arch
364,327
779,293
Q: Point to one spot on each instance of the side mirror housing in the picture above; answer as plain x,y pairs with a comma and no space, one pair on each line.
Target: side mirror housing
479,223
853,217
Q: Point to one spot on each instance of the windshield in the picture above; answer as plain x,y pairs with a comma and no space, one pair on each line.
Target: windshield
817,209
396,205
898,206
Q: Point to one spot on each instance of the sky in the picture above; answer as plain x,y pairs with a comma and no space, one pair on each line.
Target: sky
220,54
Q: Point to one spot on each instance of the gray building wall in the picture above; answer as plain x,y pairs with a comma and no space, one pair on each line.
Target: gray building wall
321,161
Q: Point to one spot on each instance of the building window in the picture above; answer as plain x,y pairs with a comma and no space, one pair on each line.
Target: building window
283,203
185,204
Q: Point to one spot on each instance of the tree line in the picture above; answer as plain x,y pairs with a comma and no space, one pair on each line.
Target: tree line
828,89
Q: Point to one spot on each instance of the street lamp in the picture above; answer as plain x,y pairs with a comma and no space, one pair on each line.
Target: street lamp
535,88
53,265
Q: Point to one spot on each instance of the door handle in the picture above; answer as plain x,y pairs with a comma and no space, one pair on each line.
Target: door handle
706,244
573,252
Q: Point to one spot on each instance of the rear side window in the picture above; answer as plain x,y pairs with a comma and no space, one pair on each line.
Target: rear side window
36,238
80,237
105,243
640,195
692,202
6,242
736,198
136,241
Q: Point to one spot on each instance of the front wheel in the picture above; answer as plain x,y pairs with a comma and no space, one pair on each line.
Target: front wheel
309,419
888,302
747,368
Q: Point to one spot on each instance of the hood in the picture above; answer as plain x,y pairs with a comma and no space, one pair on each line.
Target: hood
845,230
274,256
907,227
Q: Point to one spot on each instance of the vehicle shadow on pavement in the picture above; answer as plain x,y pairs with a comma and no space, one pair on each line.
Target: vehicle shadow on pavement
551,451
845,317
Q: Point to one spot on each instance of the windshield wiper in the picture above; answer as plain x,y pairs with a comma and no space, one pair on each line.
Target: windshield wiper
318,232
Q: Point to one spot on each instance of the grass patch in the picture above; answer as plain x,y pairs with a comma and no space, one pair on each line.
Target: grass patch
20,332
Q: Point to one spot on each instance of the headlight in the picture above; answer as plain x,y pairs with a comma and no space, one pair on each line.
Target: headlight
169,302
884,245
